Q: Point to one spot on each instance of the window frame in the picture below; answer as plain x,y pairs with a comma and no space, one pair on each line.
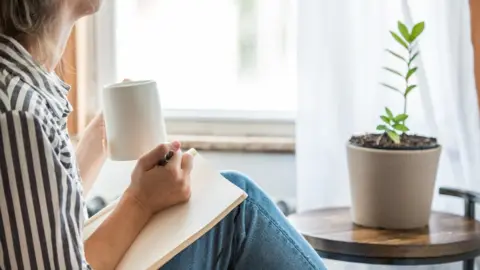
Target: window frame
95,42
475,32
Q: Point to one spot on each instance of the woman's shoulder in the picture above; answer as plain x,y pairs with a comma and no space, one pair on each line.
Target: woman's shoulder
18,96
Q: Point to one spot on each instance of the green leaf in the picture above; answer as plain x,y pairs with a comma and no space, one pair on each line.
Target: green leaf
385,119
410,88
394,136
382,127
417,31
393,71
400,127
410,72
404,31
397,55
413,58
392,88
389,113
399,40
400,118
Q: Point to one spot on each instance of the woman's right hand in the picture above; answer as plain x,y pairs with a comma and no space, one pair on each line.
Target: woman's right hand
156,188
153,188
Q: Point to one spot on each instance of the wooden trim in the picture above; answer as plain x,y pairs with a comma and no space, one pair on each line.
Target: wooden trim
67,71
278,145
86,79
475,24
243,144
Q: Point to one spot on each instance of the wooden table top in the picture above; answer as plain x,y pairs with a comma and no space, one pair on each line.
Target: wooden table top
331,231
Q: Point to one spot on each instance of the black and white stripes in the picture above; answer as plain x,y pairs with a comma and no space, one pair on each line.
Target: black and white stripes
41,204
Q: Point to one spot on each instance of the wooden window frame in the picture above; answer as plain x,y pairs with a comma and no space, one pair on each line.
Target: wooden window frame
475,25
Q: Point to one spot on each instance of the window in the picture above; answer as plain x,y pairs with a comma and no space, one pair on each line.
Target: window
220,55
223,67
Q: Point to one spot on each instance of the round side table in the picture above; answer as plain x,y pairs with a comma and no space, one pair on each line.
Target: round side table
449,238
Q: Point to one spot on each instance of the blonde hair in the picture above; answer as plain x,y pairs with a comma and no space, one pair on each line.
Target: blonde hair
29,22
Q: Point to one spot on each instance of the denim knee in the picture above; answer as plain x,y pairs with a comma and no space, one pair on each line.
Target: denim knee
244,182
238,179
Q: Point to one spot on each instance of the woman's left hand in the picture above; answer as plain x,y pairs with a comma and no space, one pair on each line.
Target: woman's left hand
91,151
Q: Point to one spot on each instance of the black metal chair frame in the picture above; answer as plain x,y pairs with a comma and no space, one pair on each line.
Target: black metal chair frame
470,199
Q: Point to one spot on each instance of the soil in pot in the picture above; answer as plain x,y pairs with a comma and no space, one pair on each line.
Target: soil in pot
382,141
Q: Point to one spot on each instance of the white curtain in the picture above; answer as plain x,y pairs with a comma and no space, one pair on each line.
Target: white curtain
341,49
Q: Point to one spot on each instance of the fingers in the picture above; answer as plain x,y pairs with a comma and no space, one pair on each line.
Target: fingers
174,162
98,115
104,145
187,162
99,119
150,160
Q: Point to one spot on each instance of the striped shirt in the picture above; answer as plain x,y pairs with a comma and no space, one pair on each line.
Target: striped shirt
41,203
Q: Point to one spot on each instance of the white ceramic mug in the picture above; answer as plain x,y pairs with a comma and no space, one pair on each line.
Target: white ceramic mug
133,119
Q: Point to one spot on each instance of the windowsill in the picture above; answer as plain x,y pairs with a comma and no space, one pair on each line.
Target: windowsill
233,143
237,143
254,132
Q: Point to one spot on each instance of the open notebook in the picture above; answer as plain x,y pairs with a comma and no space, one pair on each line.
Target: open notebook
172,230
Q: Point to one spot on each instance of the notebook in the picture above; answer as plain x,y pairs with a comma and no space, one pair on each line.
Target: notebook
172,230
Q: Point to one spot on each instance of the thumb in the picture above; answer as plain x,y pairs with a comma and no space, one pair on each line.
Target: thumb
187,162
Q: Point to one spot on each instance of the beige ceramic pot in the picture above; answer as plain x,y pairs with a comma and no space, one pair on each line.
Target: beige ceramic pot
392,189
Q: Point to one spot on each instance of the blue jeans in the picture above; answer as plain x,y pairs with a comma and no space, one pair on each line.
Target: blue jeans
256,235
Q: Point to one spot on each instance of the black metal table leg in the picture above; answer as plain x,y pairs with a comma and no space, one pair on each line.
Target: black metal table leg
469,264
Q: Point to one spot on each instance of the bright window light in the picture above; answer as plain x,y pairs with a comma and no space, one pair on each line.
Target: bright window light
220,55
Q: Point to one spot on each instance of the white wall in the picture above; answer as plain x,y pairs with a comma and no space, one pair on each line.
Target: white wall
275,173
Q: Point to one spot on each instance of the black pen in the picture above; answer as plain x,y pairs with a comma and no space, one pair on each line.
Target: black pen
164,161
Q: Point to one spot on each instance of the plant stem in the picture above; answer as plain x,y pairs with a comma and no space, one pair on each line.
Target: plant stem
407,85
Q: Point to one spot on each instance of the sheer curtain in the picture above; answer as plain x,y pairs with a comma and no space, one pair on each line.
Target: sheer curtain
341,49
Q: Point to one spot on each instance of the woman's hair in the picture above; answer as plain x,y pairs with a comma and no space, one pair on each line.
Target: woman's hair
28,21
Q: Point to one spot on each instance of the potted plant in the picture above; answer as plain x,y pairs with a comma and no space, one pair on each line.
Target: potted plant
392,173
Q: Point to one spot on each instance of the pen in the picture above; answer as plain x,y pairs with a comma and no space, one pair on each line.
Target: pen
165,160
170,154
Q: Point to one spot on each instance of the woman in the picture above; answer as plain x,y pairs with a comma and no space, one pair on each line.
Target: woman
41,177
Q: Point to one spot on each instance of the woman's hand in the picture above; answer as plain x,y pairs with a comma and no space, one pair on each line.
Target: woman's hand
153,188
91,151
156,188
95,136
